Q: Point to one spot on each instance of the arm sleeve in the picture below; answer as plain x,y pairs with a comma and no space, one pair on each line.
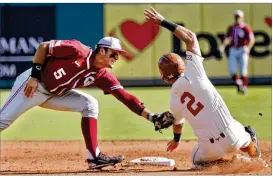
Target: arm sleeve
110,85
250,33
128,100
107,82
63,48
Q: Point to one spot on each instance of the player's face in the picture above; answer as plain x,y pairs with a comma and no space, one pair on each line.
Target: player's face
239,19
110,57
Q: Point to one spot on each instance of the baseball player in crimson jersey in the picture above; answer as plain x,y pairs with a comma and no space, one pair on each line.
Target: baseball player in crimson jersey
241,39
58,67
193,97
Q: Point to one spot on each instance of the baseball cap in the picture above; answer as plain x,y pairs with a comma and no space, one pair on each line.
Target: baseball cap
112,43
239,12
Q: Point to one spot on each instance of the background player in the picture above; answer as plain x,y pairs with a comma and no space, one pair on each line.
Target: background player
58,67
193,97
241,38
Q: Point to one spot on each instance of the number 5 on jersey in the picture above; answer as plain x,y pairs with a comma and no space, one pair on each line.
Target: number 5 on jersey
199,105
59,73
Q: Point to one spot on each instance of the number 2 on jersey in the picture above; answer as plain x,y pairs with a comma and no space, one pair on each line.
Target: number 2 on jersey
59,73
199,105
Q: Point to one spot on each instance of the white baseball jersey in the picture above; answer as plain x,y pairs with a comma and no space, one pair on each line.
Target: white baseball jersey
193,97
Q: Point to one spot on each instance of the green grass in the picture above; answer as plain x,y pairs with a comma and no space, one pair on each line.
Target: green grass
117,122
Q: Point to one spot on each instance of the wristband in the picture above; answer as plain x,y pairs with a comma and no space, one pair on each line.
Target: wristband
150,117
176,137
36,70
169,25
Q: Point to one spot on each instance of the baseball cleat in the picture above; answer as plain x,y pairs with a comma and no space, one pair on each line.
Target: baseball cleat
239,85
253,148
103,160
243,90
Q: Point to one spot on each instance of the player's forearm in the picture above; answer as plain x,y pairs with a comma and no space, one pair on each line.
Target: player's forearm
180,32
147,114
131,102
184,34
39,60
226,41
251,43
178,128
177,132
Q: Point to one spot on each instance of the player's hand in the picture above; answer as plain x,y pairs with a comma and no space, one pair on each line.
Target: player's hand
222,49
246,49
31,87
172,145
152,15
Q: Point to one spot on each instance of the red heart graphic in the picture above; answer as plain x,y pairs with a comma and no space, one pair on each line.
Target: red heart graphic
139,35
268,21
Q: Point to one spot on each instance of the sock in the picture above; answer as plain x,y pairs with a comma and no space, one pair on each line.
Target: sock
90,131
245,80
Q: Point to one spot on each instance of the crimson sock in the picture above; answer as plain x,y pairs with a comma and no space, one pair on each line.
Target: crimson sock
90,131
245,80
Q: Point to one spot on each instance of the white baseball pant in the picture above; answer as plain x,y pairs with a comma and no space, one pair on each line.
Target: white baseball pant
235,138
241,57
17,103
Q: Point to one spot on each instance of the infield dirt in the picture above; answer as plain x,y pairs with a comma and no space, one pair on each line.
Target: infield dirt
68,158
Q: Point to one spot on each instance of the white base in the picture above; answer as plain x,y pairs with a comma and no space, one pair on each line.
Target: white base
154,161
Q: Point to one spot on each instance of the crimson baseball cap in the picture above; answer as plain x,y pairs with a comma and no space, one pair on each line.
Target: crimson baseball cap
239,13
112,43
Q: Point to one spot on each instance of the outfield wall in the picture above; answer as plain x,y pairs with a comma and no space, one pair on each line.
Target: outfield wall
23,26
147,42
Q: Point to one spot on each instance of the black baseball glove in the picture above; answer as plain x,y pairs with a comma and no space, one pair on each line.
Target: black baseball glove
163,120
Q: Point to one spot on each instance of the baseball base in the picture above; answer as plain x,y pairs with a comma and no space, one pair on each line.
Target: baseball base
150,160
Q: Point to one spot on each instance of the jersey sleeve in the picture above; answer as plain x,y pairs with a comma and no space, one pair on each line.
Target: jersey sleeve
196,46
108,82
64,48
249,32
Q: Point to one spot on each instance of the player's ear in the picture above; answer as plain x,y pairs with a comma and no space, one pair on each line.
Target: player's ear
102,51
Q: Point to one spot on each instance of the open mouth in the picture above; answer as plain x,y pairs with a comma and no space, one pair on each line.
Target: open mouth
112,62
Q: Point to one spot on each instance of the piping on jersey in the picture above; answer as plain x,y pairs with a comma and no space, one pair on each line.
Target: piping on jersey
88,66
115,87
51,46
195,154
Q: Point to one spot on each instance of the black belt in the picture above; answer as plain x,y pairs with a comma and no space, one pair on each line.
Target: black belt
221,135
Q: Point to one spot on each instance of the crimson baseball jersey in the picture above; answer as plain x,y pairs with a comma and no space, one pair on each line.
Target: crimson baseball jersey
241,35
69,65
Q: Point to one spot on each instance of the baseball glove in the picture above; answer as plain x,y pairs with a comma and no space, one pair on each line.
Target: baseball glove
163,120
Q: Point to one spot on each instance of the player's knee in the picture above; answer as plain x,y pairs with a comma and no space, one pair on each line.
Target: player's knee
91,107
195,157
5,121
244,73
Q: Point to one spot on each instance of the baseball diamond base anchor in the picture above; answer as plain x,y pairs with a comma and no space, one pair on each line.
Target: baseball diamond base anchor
150,160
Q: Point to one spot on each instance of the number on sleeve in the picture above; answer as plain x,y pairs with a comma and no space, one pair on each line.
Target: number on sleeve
59,73
191,102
